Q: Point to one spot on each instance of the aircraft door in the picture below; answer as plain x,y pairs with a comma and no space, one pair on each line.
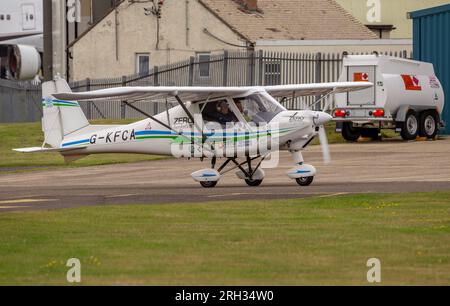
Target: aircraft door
28,17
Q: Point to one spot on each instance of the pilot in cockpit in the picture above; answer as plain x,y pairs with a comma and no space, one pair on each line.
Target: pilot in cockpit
240,107
225,114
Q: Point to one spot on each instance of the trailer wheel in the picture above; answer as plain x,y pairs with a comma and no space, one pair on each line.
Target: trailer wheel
350,133
429,124
370,133
410,128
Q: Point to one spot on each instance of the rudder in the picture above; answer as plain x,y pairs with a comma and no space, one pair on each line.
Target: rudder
60,118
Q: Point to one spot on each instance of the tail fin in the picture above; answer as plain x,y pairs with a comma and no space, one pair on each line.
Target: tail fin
61,118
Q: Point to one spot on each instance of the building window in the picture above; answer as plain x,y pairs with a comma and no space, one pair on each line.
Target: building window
204,64
143,63
272,73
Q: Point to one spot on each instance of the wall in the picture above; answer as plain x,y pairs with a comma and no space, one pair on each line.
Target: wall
432,44
95,52
99,10
392,12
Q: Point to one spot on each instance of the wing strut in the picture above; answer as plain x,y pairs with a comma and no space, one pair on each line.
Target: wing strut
325,96
156,120
162,123
191,117
188,113
149,116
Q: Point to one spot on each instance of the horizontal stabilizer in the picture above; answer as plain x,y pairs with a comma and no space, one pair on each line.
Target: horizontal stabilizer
46,150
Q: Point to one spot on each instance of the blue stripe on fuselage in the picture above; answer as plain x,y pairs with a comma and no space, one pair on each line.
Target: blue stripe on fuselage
75,143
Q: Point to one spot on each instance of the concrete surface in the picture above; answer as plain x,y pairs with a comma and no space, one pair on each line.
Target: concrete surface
390,166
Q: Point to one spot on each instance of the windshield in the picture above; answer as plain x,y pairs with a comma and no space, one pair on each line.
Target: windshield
259,107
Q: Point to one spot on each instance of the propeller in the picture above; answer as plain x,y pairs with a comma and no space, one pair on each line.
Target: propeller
320,119
324,144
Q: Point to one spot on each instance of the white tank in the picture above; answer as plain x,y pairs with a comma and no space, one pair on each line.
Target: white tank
397,82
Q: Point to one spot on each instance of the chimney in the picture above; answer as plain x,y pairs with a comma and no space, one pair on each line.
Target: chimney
250,5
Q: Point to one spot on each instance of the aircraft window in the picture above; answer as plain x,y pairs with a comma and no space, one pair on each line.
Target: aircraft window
2,17
31,16
258,108
219,112
8,17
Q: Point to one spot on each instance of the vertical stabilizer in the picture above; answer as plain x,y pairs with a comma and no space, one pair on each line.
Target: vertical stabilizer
61,118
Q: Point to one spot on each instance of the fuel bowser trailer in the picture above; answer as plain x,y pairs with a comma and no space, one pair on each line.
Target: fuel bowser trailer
406,96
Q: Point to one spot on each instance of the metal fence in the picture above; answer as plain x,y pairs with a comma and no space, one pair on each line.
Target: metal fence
21,101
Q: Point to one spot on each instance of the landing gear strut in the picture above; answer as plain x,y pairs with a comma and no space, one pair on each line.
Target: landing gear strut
253,176
253,180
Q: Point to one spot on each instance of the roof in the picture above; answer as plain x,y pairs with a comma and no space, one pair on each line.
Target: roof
290,20
430,11
281,20
93,25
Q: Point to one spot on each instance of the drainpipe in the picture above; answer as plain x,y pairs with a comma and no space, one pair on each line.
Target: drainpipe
187,24
157,32
116,13
48,40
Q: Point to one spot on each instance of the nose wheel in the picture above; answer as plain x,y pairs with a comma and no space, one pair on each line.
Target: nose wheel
302,173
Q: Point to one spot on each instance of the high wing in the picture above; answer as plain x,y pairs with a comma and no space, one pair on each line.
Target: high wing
315,89
196,94
150,94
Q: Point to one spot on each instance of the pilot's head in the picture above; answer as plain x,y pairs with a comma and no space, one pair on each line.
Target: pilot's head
239,105
224,108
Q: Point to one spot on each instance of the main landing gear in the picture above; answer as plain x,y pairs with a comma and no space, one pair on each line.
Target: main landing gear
209,184
252,175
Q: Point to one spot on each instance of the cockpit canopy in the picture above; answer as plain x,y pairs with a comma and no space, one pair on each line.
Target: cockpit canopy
258,108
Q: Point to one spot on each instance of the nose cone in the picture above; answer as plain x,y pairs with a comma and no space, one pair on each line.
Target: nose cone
322,118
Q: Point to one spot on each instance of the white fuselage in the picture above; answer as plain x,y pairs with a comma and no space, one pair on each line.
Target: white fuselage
150,137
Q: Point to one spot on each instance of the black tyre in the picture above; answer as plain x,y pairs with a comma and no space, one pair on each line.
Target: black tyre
370,133
410,128
253,183
429,124
208,184
350,133
305,181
